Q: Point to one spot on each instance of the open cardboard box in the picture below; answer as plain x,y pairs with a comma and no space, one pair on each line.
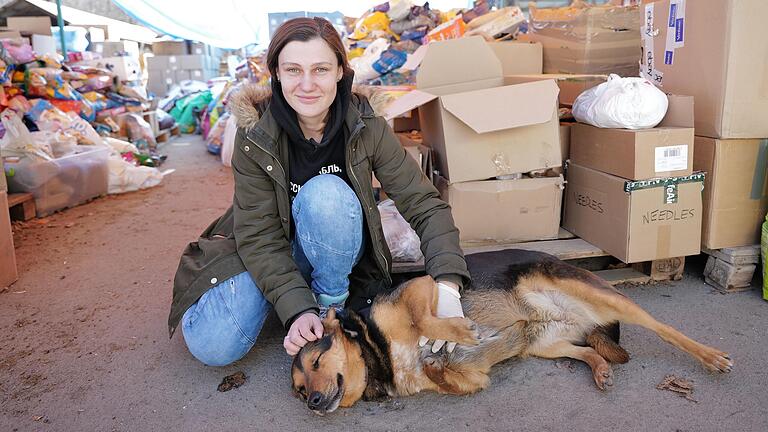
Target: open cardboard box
663,151
635,221
505,211
8,272
478,127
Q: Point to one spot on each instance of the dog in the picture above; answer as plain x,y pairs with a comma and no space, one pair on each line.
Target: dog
520,303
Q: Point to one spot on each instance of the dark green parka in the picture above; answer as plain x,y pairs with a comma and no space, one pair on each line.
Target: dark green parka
254,233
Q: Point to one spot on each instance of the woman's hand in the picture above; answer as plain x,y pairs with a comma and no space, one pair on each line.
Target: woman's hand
305,328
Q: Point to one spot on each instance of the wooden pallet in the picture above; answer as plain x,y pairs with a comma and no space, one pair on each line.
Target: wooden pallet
21,206
165,135
576,249
731,269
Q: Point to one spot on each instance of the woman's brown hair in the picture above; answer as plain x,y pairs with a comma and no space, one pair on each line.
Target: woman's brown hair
303,30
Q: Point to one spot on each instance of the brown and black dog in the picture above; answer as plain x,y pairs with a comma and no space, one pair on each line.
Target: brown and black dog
520,304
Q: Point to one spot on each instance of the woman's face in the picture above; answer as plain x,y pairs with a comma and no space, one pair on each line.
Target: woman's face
308,72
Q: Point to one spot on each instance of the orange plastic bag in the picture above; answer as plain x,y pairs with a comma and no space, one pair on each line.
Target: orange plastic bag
452,29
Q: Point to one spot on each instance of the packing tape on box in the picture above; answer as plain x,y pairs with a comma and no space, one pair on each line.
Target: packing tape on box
675,30
761,171
663,241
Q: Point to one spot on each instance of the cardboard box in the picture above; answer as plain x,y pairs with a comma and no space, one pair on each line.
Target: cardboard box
505,210
8,272
40,25
477,127
182,75
518,58
43,44
169,48
665,151
588,40
112,48
565,140
407,122
571,86
634,154
193,61
126,68
634,221
9,34
736,190
716,51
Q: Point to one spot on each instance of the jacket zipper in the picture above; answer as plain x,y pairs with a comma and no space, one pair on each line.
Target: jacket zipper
354,135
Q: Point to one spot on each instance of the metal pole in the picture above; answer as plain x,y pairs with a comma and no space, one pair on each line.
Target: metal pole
61,29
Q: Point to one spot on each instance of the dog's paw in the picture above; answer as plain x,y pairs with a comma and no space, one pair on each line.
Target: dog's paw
603,375
716,361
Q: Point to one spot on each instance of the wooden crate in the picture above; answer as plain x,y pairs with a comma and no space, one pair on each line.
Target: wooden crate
731,269
21,206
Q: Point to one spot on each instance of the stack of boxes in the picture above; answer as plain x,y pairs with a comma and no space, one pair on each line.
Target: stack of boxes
176,61
485,136
36,29
717,51
633,193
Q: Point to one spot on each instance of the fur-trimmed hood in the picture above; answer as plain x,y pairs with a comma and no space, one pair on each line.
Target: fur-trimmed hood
251,100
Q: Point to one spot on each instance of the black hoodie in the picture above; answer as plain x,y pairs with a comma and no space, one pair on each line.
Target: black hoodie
307,157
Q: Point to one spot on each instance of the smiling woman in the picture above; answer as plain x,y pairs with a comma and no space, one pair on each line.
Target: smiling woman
304,234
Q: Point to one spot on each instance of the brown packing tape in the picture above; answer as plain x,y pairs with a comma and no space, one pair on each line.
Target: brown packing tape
663,241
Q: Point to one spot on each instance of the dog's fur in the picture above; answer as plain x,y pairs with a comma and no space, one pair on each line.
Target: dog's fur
520,304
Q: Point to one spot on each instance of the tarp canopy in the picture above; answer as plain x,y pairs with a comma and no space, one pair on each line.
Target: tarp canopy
117,29
236,23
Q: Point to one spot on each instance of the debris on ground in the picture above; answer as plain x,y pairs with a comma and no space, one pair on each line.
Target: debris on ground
383,407
683,387
565,364
232,381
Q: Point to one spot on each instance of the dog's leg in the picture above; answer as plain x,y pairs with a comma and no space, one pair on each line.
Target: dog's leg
456,382
713,359
420,299
601,370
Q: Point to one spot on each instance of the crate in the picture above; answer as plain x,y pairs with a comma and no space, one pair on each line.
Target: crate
731,269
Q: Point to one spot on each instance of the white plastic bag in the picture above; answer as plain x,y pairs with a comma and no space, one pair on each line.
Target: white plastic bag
629,103
228,143
363,65
399,9
404,244
126,177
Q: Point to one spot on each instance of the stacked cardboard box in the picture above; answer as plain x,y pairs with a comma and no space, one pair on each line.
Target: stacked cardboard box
633,193
165,70
585,39
716,51
478,134
36,29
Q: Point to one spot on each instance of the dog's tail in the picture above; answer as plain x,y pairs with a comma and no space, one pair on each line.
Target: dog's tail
606,344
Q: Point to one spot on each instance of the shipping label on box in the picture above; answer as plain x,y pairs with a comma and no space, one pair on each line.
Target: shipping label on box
713,50
505,210
466,115
736,190
635,221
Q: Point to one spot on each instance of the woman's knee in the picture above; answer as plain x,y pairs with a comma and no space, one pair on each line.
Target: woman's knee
222,326
327,197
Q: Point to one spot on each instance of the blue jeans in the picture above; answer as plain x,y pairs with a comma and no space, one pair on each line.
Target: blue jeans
222,326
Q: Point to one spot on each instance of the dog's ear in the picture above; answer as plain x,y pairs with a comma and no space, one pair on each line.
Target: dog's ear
349,323
330,322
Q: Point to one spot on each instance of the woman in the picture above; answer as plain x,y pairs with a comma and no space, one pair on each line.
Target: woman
304,233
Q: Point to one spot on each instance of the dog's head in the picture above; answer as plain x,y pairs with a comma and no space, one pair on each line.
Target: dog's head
330,372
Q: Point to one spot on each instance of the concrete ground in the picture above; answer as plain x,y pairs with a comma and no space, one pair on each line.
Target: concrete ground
84,343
